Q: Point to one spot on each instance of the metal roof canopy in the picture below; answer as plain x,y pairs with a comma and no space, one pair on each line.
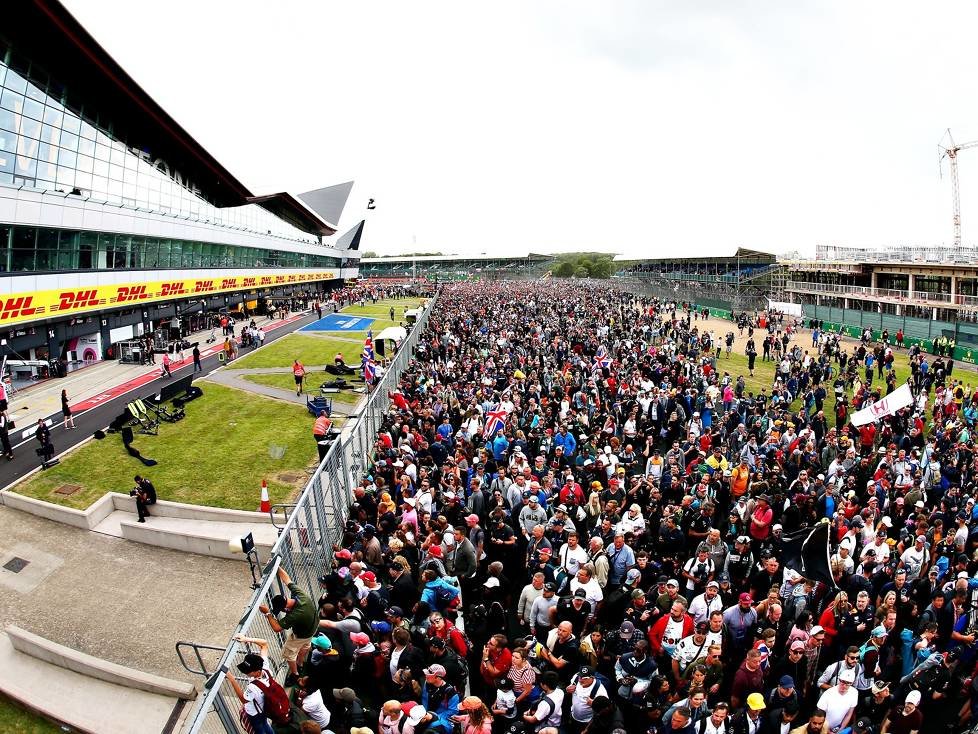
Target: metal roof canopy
96,88
741,253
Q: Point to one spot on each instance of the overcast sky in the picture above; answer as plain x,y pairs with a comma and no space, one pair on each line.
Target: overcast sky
637,127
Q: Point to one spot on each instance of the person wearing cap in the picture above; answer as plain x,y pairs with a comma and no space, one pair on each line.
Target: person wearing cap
704,604
439,699
689,649
839,701
740,620
740,563
583,689
539,618
783,694
751,719
301,618
905,719
255,667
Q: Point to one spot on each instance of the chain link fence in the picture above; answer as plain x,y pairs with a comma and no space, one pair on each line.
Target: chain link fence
304,547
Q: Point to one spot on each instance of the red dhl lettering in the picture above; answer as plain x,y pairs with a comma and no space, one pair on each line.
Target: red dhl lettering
77,299
248,282
11,308
172,289
292,279
202,286
128,294
279,278
266,280
229,283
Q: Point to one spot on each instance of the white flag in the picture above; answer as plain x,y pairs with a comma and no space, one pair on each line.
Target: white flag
899,398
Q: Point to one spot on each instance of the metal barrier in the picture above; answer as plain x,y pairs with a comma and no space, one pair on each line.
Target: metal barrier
304,547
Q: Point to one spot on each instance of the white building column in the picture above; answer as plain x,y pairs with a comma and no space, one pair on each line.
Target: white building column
911,283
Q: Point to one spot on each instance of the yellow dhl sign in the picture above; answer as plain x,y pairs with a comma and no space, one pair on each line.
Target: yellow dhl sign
20,307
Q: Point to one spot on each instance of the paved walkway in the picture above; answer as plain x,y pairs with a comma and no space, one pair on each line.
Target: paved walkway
87,387
232,377
124,602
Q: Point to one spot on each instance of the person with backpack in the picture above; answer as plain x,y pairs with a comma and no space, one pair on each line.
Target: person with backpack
440,699
265,704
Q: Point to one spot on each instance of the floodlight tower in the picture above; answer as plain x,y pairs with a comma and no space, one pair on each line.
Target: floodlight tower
950,151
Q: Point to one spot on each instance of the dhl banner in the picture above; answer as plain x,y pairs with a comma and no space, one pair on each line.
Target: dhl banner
19,308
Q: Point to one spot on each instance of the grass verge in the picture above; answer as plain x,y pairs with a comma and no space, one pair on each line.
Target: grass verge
216,456
15,720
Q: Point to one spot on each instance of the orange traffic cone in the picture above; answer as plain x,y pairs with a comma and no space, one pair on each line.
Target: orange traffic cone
266,506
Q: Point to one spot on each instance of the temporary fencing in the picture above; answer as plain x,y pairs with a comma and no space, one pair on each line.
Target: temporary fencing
304,549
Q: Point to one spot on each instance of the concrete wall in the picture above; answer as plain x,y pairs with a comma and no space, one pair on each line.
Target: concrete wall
215,544
84,519
184,511
65,657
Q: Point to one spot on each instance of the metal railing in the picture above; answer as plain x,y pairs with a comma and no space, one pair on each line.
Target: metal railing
891,294
305,545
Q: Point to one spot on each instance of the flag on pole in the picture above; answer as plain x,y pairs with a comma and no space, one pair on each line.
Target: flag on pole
807,552
495,421
889,405
369,371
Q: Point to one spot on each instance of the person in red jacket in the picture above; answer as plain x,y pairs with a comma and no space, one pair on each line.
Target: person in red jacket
666,633
443,628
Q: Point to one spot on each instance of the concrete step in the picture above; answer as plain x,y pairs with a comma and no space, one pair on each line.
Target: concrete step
82,702
206,537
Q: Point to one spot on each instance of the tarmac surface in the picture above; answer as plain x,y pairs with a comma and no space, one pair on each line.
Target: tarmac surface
125,602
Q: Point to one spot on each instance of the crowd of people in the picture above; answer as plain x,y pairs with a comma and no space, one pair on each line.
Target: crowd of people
577,519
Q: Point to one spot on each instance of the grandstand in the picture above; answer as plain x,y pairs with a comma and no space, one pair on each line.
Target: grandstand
440,268
742,280
923,291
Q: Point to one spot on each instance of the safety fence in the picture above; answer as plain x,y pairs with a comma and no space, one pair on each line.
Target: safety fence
304,549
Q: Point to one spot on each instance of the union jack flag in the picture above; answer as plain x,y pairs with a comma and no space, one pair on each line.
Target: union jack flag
602,361
495,421
369,371
368,349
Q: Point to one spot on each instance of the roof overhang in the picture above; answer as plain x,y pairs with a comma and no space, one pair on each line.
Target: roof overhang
289,209
48,46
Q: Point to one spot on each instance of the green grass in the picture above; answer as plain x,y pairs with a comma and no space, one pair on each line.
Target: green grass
319,348
285,381
15,720
216,456
764,376
310,350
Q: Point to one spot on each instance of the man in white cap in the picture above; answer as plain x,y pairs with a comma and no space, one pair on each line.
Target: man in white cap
839,702
906,718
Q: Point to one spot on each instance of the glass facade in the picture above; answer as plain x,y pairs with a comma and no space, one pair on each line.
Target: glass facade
46,146
26,249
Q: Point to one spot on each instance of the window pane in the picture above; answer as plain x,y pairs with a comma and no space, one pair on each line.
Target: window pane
33,108
47,250
30,128
8,120
12,101
53,116
86,147
15,81
67,158
85,164
50,134
22,256
72,124
69,141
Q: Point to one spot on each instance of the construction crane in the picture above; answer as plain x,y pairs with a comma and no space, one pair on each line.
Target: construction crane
950,151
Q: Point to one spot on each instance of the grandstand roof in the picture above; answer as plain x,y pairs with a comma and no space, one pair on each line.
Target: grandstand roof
453,258
739,253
